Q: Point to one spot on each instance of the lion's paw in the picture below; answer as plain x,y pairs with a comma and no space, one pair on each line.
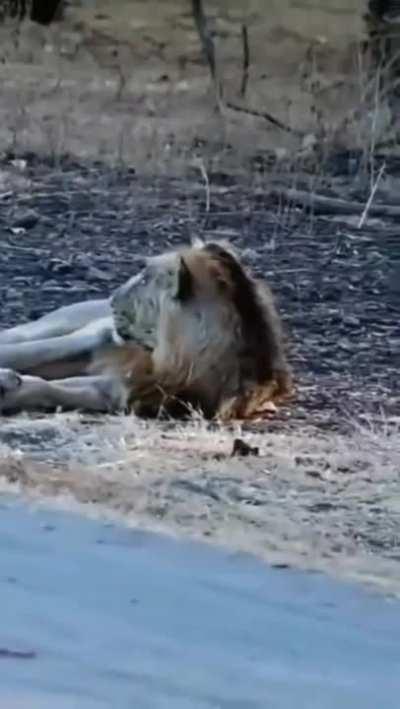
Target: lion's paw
113,394
10,381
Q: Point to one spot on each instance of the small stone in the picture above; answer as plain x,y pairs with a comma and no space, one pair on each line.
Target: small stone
25,219
99,274
345,345
314,474
60,267
241,448
351,321
19,164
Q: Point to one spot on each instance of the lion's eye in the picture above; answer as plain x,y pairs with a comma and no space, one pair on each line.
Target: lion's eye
145,278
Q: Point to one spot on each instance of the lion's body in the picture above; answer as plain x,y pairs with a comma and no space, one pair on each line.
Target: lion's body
191,330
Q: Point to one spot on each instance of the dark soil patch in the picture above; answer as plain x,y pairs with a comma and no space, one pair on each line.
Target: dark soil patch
70,231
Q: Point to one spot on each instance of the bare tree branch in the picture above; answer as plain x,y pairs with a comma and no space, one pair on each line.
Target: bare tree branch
207,44
246,61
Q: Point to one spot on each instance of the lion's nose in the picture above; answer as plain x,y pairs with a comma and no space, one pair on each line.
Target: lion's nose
126,289
122,292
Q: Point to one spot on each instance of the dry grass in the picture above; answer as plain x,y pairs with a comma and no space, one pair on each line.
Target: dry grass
320,502
139,71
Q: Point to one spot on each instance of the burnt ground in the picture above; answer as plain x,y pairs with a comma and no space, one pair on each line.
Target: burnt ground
69,231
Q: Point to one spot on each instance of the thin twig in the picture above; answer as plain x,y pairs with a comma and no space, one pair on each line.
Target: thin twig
199,162
371,196
246,61
373,126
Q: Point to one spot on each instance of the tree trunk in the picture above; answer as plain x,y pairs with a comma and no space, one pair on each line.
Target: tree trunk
46,11
383,28
41,11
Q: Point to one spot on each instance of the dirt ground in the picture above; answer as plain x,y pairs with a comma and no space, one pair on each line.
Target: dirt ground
98,168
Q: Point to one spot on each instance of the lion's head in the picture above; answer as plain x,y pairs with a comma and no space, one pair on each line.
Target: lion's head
211,328
138,305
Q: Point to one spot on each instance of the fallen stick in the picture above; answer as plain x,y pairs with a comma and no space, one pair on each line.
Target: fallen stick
334,205
266,116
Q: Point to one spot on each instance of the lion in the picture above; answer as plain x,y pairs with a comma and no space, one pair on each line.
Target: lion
192,331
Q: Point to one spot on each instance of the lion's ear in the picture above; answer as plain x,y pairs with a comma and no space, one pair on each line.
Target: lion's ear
183,286
197,243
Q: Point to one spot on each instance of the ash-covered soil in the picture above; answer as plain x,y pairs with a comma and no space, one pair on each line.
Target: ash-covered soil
71,231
